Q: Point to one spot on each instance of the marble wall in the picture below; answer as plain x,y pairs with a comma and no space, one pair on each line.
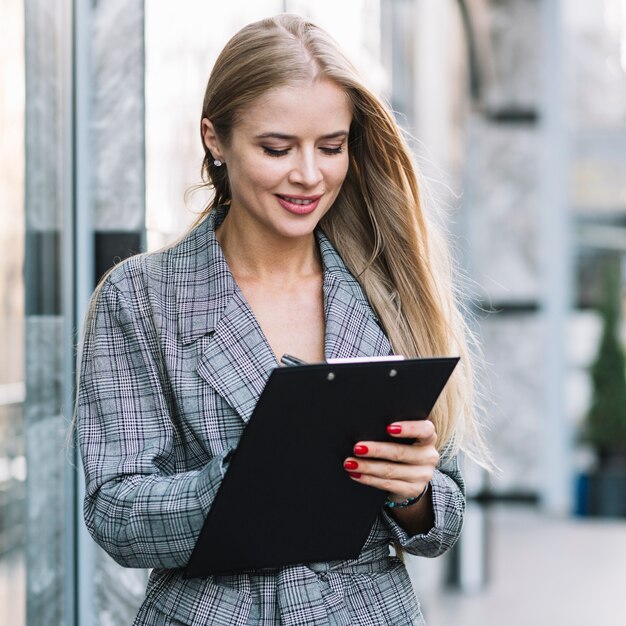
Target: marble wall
503,204
47,454
117,116
514,33
513,347
501,212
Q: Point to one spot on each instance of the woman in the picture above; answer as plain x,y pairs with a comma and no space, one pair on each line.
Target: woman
316,245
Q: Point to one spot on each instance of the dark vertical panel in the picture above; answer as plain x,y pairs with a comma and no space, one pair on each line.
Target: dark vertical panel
113,247
42,273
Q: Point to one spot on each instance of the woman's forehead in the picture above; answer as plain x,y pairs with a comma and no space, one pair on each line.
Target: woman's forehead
294,109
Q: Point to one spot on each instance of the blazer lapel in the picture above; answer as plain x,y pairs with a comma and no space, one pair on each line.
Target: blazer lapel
352,328
236,360
233,355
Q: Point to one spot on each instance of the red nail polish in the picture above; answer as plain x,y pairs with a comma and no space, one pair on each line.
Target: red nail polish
394,429
361,449
355,474
350,465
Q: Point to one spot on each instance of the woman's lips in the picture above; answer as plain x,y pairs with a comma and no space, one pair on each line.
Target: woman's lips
299,205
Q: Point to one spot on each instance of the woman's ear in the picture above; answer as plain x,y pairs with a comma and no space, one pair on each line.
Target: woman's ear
210,139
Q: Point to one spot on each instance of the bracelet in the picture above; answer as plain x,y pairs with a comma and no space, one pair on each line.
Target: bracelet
391,504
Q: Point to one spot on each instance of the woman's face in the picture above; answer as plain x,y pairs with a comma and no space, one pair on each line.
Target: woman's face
287,158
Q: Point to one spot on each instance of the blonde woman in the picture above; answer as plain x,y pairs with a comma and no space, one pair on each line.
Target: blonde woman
315,244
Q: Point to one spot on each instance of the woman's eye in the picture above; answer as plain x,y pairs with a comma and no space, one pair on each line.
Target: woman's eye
275,152
333,150
278,152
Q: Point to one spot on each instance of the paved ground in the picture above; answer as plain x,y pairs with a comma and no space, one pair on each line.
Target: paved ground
544,572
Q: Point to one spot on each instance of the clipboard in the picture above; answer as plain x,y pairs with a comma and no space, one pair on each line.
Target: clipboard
285,497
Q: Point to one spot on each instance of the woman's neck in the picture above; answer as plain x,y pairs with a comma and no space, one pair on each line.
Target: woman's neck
255,257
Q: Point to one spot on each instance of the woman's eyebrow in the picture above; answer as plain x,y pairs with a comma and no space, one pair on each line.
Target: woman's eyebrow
337,134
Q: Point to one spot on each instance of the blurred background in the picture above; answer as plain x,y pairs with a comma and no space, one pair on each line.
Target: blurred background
516,111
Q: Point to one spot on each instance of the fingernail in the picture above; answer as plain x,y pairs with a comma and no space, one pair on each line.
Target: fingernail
350,465
394,429
361,449
355,474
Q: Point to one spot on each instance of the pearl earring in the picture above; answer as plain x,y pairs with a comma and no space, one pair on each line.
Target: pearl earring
217,163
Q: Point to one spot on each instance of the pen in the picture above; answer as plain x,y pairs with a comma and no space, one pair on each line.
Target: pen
287,359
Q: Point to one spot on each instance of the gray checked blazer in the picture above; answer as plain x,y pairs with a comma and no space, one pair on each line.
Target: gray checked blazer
173,362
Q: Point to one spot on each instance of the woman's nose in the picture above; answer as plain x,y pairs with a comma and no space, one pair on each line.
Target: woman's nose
306,171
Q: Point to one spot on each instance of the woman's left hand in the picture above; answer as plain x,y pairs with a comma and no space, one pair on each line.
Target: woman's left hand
403,470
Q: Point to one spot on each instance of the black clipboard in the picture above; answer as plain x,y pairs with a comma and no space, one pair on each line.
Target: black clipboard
286,498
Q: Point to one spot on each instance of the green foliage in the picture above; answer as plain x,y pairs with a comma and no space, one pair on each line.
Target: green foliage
606,421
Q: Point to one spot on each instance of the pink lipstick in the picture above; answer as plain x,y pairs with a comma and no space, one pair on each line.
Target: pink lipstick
299,205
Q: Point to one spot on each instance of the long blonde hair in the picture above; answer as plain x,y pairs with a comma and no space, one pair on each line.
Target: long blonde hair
377,223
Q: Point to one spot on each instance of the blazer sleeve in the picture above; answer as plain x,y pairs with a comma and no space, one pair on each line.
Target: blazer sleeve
448,496
137,506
